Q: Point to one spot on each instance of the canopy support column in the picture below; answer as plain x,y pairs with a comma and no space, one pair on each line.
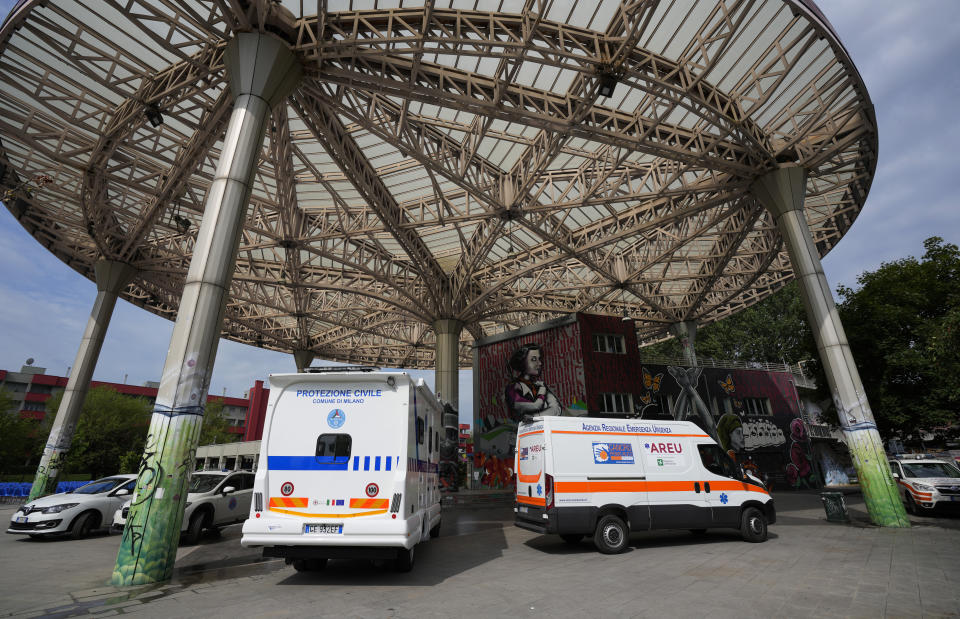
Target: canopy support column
303,359
686,333
112,277
447,377
782,193
262,71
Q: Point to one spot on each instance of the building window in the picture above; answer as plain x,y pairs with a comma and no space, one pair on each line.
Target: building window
609,343
757,406
616,403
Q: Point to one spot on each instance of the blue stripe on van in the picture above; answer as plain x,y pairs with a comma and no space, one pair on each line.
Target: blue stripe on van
376,463
356,463
305,463
389,460
366,463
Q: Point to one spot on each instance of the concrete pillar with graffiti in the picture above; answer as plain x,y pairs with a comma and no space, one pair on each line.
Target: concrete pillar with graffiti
262,72
782,193
112,277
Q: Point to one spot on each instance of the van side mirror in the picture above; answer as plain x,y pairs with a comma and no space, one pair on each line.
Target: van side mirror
896,475
228,490
121,492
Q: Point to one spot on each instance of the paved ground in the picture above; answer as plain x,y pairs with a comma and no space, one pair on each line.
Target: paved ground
482,566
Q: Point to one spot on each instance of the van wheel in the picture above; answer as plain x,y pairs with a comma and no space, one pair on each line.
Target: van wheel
404,560
435,531
82,526
753,525
611,535
196,528
571,538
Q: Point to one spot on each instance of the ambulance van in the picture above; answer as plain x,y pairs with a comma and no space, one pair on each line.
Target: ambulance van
348,469
606,478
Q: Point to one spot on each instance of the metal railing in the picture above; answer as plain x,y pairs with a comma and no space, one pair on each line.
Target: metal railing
797,369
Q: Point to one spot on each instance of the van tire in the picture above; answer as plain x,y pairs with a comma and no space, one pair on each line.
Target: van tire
611,535
912,506
435,531
572,538
753,525
404,560
195,529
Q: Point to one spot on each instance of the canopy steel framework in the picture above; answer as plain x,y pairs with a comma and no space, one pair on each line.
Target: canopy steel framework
440,160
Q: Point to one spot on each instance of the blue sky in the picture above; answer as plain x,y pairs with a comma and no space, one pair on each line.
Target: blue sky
906,52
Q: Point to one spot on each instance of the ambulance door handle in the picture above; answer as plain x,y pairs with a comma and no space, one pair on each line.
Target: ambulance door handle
696,487
706,486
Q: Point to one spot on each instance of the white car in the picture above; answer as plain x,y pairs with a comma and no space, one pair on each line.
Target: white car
215,499
87,508
926,483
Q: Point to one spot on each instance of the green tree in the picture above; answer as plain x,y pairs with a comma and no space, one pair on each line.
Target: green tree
111,425
902,323
775,329
21,440
215,428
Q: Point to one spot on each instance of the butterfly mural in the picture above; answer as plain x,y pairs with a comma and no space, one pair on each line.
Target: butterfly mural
650,381
647,397
727,384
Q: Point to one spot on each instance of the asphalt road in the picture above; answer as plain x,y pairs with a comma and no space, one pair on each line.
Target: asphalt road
482,565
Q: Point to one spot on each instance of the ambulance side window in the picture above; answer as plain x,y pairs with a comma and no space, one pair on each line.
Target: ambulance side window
420,430
334,447
430,441
717,462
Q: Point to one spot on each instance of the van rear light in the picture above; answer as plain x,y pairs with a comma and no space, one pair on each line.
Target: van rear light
548,483
258,501
395,503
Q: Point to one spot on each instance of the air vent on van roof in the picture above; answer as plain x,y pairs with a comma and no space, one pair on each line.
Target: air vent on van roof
341,368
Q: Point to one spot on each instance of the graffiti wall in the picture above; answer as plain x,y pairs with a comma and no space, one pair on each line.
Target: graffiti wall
753,414
536,373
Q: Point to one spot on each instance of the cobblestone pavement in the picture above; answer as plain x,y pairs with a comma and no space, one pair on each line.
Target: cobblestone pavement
483,566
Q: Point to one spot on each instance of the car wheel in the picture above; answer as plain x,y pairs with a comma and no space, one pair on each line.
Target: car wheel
753,525
82,526
572,538
195,529
404,560
611,535
912,506
435,531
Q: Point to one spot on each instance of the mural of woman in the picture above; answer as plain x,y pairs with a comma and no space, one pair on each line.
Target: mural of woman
730,433
526,394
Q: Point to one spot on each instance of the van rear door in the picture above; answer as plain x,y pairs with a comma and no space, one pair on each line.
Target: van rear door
334,451
531,486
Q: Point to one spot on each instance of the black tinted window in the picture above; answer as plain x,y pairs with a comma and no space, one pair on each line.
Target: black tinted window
717,462
334,447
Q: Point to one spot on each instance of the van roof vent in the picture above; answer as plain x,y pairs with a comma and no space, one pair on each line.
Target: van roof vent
340,368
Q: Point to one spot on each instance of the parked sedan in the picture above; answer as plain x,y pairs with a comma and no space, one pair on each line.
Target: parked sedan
78,512
215,499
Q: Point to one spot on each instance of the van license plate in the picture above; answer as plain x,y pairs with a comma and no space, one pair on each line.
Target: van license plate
335,529
524,510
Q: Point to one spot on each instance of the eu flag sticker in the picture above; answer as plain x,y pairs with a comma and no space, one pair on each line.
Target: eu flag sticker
612,453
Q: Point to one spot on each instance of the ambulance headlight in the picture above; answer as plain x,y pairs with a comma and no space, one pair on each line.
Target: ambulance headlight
923,487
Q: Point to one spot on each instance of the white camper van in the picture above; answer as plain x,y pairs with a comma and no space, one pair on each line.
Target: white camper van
579,476
348,468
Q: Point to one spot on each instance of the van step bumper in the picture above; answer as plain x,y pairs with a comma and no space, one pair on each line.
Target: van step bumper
331,552
531,526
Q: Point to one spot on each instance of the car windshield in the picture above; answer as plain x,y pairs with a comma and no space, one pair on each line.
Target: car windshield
101,485
930,469
204,483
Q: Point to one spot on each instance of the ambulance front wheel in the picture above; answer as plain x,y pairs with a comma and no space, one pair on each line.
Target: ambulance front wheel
611,535
404,560
753,525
